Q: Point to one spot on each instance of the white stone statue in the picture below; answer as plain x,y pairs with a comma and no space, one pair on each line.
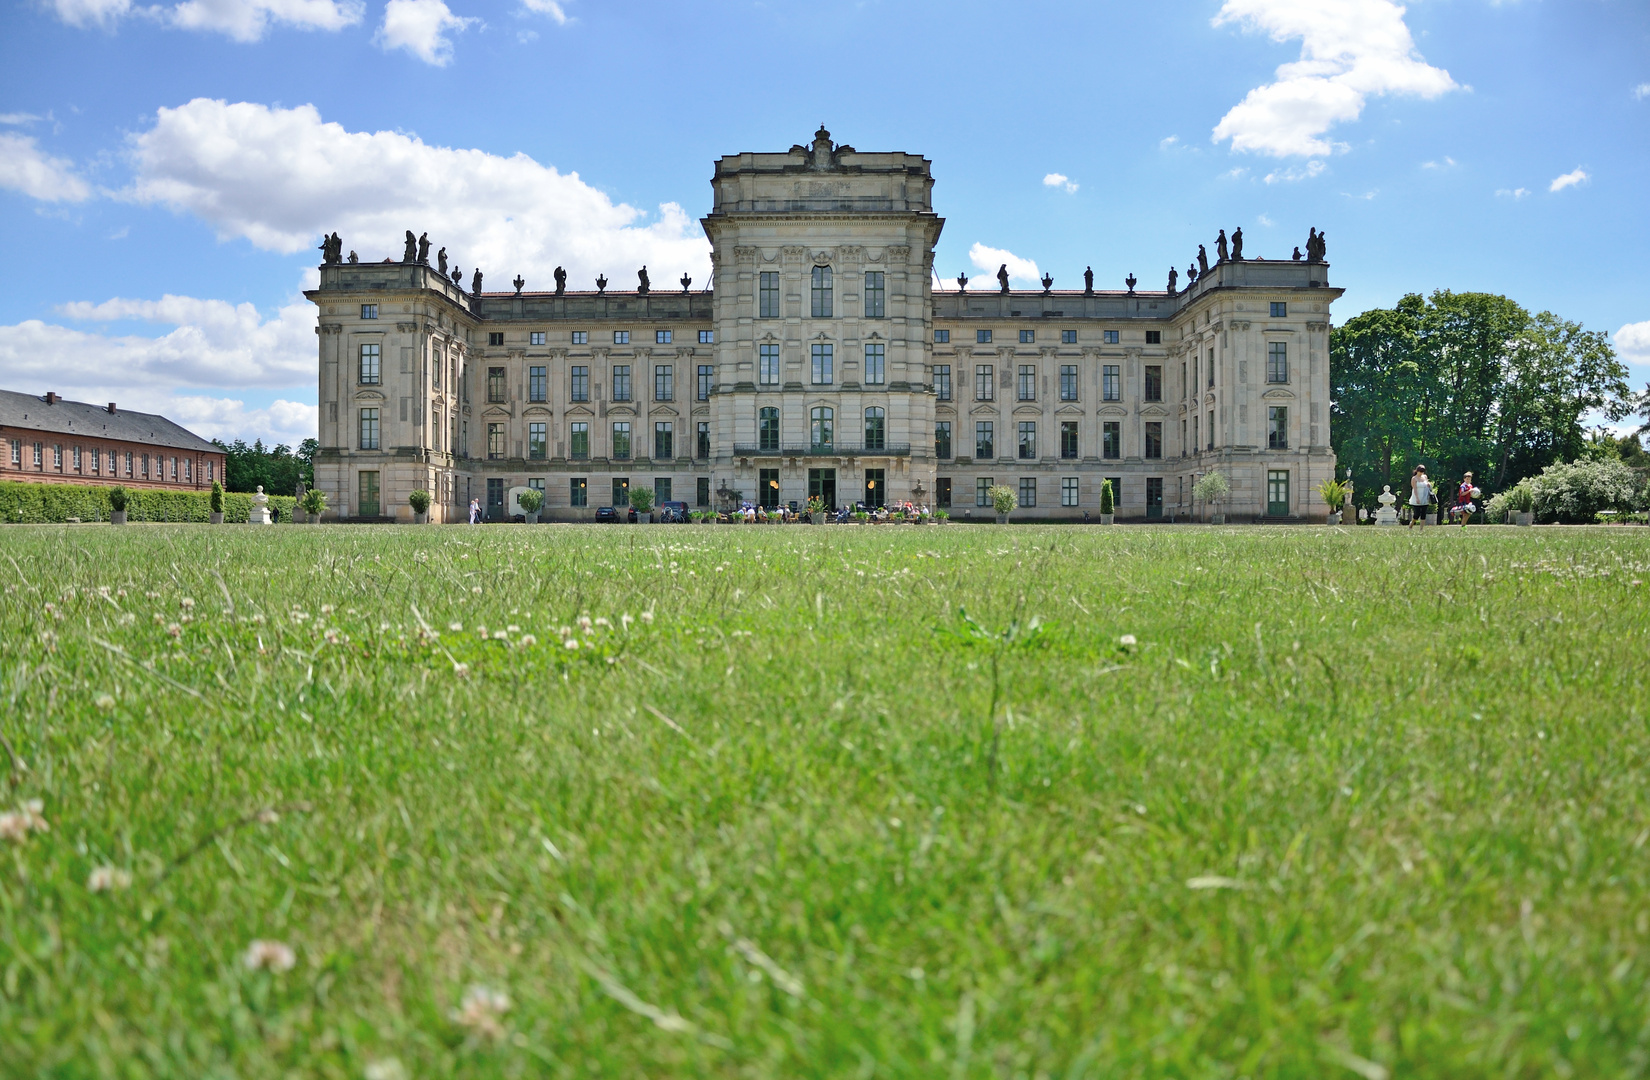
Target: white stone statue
260,508
1386,515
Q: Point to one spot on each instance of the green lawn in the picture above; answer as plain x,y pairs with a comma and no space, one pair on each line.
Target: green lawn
1354,803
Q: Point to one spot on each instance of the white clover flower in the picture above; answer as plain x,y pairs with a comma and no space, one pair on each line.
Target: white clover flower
481,1010
512,629
571,643
327,609
461,670
104,701
476,589
186,603
273,955
107,878
647,617
455,627
585,625
331,636
385,1069
601,620
501,635
1127,641
527,641
174,629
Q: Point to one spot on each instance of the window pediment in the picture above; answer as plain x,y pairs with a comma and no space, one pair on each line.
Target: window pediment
369,395
535,410
579,410
1069,409
1277,393
496,412
984,408
1154,412
1028,409
1114,410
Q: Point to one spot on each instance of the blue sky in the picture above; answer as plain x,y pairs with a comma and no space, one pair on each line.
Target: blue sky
166,171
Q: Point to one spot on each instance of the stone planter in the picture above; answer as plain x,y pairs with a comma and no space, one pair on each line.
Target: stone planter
421,518
1002,519
1524,520
117,517
1334,519
817,519
1217,519
1106,519
215,517
532,519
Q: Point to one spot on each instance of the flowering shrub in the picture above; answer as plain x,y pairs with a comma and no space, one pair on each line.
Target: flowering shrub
1003,499
1573,494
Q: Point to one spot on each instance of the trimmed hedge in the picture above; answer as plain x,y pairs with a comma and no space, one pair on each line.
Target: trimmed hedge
39,504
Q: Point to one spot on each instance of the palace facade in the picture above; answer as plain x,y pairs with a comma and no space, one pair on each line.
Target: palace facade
823,361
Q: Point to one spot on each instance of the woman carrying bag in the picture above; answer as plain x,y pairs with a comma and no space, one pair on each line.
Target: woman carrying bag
1420,495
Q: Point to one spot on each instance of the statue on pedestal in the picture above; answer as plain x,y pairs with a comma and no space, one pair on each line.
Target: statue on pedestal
424,249
561,281
260,509
1202,261
641,282
1220,247
410,252
353,257
1386,515
1088,281
1174,278
1237,244
475,283
441,262
1002,276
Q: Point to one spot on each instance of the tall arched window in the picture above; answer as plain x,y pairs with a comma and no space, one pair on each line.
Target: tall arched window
767,430
875,429
821,421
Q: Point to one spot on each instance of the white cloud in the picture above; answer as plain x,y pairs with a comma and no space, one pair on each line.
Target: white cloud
1059,180
420,27
1168,143
281,177
1295,173
19,118
988,259
1569,179
1266,221
1447,163
1641,91
547,7
1633,342
1512,193
1350,49
242,20
212,344
25,167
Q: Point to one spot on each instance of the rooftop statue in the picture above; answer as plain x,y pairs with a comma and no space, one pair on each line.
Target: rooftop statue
561,281
475,283
601,284
441,262
331,249
1297,255
1131,281
1202,260
962,282
410,252
353,257
686,281
424,249
1191,275
1048,282
518,283
1174,279
641,281
1088,281
1220,247
1002,276
458,275
1237,244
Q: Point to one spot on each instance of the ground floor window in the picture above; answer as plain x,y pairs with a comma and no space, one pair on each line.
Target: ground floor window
621,492
1028,491
702,445
661,490
538,440
767,487
982,491
876,488
1068,491
578,492
368,505
702,495
1116,483
942,491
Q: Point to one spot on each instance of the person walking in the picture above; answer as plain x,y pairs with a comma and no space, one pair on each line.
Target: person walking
475,511
1420,494
1463,499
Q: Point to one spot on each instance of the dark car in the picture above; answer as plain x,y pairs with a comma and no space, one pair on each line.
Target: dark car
606,513
674,511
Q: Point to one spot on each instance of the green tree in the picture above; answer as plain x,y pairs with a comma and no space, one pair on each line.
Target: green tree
278,470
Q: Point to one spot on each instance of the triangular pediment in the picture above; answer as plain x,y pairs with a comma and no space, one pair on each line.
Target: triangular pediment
984,408
369,395
1154,411
1114,410
1277,393
579,410
1068,409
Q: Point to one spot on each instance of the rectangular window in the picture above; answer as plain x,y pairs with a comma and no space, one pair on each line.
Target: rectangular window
538,383
495,442
822,363
1154,382
535,337
368,505
767,365
1028,491
145,464
1068,439
578,388
128,459
621,492
661,337
17,453
496,385
661,490
985,383
1277,362
664,440
942,440
982,491
581,337
621,337
1028,337
1154,438
942,381
97,457
1028,382
370,311
1277,427
1068,382
767,430
369,365
1068,490
874,374
1211,367
767,302
1109,337
578,441
1154,496
942,337
985,443
369,430
701,445
495,338
767,488
942,491
702,492
820,293
1028,440
1154,337
621,440
874,295
982,337
664,382
76,459
1111,382
174,470
1191,445
578,491
621,382
1280,311
707,380
538,440
435,427
1068,337
707,337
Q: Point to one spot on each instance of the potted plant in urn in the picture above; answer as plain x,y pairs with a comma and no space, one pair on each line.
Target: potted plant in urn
1003,501
315,504
1108,505
941,516
816,510
1522,501
1212,488
641,501
1333,494
117,505
532,501
420,502
214,504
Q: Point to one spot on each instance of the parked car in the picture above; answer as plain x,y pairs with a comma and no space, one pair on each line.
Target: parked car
674,511
606,513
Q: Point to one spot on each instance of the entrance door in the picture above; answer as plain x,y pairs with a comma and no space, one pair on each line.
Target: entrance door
495,498
1277,493
1154,496
876,489
369,505
767,488
822,486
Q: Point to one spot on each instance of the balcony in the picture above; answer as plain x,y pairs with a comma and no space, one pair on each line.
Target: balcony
833,450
